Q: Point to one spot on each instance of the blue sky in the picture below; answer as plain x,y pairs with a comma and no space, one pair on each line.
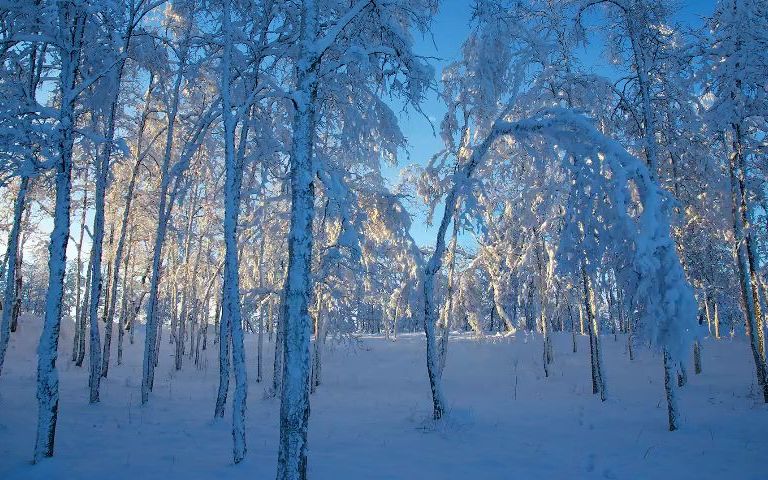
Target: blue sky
449,29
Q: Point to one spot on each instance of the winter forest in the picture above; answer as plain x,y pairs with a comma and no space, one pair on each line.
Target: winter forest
396,239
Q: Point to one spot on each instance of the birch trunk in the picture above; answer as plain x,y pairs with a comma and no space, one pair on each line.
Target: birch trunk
11,271
717,323
598,383
151,337
294,398
83,318
124,224
71,24
573,324
231,284
448,308
260,347
317,347
224,364
109,302
277,365
669,388
102,175
753,317
79,327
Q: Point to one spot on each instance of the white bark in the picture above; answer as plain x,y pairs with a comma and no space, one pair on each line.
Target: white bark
294,399
231,289
71,24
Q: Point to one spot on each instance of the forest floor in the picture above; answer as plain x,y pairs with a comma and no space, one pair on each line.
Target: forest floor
370,419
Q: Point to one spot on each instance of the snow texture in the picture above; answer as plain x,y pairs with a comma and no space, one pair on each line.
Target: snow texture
372,418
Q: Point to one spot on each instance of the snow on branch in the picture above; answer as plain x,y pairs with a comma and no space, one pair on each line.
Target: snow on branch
616,212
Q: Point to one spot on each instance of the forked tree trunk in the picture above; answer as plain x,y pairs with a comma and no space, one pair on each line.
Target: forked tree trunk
124,227
79,326
153,326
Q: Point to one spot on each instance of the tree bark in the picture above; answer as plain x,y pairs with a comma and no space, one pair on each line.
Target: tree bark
79,326
669,388
598,383
71,25
231,284
11,273
294,404
750,301
152,334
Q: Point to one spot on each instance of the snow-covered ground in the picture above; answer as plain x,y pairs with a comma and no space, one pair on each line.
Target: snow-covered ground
371,417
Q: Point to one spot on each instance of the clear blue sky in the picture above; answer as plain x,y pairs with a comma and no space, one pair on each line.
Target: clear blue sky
449,30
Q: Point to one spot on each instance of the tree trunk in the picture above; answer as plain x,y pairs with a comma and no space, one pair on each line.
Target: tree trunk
151,339
717,323
753,317
84,318
598,384
231,284
294,404
121,325
697,357
71,26
109,302
573,324
448,308
260,347
317,357
224,343
669,388
102,175
79,326
277,365
13,265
